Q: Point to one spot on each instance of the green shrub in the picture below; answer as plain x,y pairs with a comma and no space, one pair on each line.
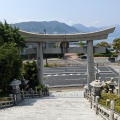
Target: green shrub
54,65
117,109
110,96
4,99
114,55
29,72
40,87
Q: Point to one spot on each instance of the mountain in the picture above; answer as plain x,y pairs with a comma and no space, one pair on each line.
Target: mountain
50,27
111,37
55,27
87,29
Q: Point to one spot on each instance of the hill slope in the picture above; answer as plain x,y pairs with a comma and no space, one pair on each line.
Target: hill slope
50,27
111,37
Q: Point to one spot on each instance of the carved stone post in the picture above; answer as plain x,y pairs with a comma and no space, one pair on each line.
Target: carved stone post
112,103
96,104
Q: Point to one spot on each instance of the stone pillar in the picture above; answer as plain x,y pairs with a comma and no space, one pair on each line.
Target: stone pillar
96,104
40,62
90,63
112,104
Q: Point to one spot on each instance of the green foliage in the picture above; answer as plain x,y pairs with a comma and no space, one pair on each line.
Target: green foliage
110,96
4,99
10,34
53,55
5,93
54,65
103,44
117,109
56,45
10,64
11,43
101,55
40,87
116,43
79,54
114,54
29,72
80,44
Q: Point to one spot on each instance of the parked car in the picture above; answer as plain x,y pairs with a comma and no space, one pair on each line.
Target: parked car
111,59
84,57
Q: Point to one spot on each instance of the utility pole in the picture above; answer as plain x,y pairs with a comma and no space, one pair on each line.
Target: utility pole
45,47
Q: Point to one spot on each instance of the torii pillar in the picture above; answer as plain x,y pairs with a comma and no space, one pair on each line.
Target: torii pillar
90,63
40,63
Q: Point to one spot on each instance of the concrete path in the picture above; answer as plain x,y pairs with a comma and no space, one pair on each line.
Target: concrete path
60,106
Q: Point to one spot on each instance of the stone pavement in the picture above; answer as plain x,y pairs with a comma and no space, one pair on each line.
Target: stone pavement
59,106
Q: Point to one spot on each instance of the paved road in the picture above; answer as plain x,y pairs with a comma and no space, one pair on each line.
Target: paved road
76,75
63,106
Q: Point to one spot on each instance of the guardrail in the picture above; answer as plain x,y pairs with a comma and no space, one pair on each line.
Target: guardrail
106,113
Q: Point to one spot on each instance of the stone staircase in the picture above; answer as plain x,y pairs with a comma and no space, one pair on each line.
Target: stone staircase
58,106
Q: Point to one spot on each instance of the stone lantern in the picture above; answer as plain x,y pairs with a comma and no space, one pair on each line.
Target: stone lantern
16,91
15,86
96,88
111,83
87,92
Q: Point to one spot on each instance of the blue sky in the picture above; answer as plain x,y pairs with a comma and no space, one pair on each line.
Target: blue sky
87,12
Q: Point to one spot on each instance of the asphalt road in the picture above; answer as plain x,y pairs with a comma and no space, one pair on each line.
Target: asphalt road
76,75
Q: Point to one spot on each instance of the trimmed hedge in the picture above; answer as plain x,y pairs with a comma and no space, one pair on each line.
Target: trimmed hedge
101,55
54,65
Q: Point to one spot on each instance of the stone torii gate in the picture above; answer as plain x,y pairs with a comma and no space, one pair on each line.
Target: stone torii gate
64,39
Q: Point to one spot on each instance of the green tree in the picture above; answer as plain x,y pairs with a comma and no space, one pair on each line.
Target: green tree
10,34
10,64
80,44
29,72
116,44
11,44
103,44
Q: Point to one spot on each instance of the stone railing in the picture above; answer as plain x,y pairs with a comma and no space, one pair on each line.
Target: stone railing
106,113
14,99
8,103
34,94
